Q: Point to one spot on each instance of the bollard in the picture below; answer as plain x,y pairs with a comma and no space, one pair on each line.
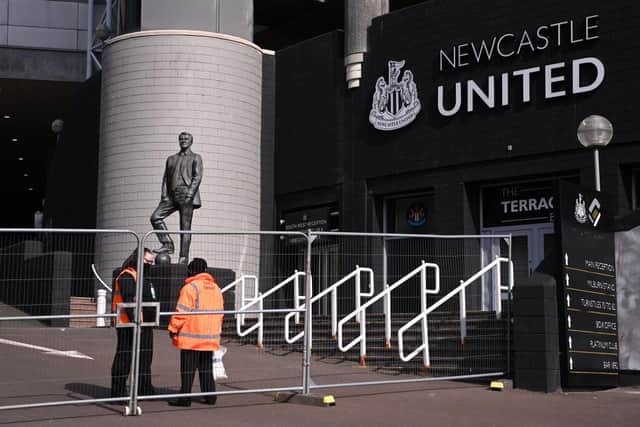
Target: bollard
101,307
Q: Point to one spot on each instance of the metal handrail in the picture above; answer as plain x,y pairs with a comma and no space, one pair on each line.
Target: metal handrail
334,301
424,347
259,299
242,280
386,294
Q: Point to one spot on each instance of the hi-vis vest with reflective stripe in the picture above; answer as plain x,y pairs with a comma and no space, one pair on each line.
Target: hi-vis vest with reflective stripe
198,332
117,295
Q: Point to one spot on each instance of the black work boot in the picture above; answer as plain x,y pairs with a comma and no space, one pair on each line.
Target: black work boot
209,400
180,402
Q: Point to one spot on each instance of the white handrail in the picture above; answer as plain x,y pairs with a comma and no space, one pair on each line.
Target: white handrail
259,299
242,280
385,294
334,301
424,347
95,273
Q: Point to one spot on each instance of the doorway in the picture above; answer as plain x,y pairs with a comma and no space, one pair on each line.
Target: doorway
529,246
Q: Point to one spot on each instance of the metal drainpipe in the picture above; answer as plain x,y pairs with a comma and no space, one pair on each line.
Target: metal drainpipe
89,63
358,16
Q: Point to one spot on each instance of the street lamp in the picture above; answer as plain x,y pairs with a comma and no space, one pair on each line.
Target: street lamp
595,131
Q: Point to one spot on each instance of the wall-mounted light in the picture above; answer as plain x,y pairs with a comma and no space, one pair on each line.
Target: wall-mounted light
6,116
21,158
30,189
26,174
14,139
102,32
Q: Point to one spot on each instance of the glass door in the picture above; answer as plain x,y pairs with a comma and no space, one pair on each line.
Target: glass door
529,245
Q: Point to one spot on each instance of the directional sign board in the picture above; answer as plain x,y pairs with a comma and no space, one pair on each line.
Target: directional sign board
587,287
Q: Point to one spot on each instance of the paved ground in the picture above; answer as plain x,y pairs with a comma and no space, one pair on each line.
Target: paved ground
37,375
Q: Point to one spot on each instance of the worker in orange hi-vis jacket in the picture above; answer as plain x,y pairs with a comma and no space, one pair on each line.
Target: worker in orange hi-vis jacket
197,336
124,290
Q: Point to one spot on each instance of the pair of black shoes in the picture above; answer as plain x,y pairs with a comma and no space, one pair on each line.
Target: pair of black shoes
207,400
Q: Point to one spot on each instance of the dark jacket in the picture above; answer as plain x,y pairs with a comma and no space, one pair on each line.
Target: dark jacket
182,170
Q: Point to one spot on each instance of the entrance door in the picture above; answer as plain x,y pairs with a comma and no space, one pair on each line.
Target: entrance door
529,246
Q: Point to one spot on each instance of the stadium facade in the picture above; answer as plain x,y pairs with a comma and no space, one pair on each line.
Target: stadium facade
442,117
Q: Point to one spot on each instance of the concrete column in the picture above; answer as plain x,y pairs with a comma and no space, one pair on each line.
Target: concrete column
156,84
358,16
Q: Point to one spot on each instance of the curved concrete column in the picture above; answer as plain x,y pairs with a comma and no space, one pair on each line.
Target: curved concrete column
358,16
156,84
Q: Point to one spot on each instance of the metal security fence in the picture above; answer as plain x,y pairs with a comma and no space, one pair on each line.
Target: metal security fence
302,311
416,308
262,277
52,350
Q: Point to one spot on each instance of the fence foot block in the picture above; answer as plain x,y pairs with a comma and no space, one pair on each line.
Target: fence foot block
501,385
310,399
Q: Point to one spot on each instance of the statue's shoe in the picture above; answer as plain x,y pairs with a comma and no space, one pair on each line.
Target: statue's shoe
164,249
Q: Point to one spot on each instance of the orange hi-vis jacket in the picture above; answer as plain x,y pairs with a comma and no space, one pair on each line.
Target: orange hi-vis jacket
117,295
198,332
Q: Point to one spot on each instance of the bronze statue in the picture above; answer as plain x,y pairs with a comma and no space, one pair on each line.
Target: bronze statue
180,183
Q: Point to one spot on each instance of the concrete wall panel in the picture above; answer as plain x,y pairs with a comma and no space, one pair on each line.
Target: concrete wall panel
52,38
4,12
43,13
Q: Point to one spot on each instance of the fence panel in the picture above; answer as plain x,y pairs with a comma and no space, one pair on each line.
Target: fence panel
52,341
261,275
474,344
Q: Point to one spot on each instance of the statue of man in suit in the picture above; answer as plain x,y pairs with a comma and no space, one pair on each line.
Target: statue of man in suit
180,183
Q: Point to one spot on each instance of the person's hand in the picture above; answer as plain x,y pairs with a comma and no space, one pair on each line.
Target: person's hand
172,335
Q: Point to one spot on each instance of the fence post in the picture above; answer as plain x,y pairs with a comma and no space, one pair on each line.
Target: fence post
135,359
306,364
101,307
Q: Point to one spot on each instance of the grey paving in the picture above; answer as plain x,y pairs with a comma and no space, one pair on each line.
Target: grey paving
32,375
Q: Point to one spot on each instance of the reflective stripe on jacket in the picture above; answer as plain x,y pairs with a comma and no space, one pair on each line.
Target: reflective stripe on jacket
117,294
198,332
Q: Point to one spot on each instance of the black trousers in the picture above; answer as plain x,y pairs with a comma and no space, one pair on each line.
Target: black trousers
122,361
192,360
166,208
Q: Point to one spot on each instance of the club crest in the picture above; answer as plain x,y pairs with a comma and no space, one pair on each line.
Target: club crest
580,211
416,215
395,102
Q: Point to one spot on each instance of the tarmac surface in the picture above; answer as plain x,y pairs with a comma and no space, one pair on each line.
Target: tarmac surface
47,364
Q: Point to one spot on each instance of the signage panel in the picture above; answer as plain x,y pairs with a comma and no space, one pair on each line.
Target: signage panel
587,287
516,204
586,321
323,218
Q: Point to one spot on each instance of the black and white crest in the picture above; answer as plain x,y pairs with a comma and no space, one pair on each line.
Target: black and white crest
580,211
395,102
